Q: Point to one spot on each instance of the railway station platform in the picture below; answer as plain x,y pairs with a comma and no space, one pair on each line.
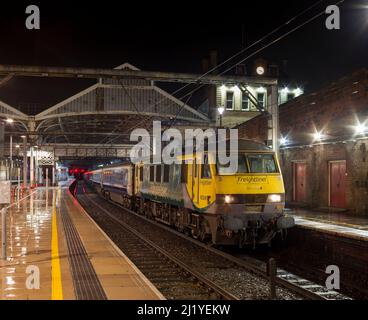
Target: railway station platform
339,224
55,251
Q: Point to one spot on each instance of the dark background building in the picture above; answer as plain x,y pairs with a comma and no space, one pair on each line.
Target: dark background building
324,145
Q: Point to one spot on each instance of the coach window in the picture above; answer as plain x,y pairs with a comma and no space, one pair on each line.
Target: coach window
195,168
184,173
152,173
158,173
206,169
166,173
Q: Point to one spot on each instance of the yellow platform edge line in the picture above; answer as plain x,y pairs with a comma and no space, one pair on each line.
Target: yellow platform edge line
56,284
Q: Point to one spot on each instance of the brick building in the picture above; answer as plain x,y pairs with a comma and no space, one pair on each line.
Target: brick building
324,142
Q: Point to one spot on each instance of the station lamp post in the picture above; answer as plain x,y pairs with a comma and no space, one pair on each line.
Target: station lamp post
10,121
36,169
24,137
220,111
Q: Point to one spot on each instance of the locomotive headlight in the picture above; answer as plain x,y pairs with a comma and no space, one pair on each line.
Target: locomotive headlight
228,199
274,198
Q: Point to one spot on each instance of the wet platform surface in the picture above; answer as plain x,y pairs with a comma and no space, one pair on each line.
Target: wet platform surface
341,224
56,251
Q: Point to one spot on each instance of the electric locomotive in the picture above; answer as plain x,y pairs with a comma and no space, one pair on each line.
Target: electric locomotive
201,199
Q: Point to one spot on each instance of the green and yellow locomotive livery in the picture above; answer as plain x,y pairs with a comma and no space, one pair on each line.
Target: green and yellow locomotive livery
201,198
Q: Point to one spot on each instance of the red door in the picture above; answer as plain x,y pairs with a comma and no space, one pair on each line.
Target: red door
337,184
300,182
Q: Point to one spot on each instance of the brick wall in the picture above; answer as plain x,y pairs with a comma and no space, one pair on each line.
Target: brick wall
317,159
335,110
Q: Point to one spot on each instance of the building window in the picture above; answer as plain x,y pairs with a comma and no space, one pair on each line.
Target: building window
261,99
245,102
289,96
229,100
240,70
184,173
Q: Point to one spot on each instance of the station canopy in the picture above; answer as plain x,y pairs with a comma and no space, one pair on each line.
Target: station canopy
104,113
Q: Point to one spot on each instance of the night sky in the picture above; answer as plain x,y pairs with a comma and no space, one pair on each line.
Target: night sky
175,36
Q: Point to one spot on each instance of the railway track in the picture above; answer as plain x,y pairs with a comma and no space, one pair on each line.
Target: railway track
309,286
173,278
149,256
308,253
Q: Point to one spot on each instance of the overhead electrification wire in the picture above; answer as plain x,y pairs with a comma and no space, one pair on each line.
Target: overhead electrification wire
267,45
281,37
252,45
189,94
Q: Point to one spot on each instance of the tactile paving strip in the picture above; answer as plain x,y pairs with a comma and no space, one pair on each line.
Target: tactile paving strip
86,283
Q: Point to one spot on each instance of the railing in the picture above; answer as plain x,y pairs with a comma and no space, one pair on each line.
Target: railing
7,173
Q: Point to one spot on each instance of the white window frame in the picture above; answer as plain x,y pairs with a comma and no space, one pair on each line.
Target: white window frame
242,100
264,98
226,100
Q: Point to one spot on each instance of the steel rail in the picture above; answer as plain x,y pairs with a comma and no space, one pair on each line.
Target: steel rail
213,286
250,264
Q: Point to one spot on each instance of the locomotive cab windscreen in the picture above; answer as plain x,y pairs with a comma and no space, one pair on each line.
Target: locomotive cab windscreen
256,183
252,163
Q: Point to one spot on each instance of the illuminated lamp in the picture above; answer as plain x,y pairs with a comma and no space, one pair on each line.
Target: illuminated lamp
318,136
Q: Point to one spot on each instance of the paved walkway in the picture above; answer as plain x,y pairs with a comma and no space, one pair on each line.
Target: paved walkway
341,224
51,238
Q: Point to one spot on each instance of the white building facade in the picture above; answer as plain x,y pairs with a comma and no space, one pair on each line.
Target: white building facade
240,108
